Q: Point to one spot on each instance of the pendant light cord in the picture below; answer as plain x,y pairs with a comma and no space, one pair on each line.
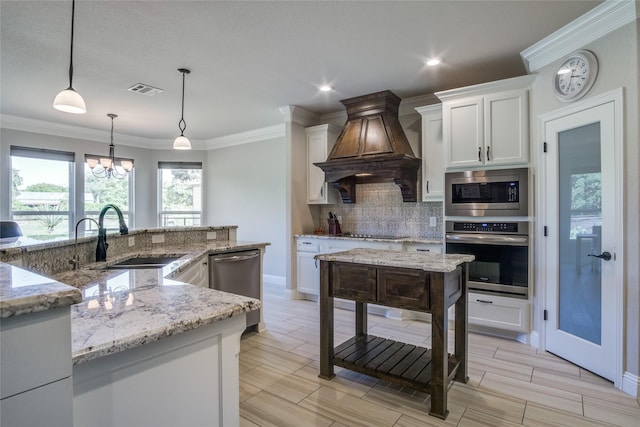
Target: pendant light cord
182,125
73,14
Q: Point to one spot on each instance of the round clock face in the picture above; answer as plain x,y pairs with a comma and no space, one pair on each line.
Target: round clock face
575,76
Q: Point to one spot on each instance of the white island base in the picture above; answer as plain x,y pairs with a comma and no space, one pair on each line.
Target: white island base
188,379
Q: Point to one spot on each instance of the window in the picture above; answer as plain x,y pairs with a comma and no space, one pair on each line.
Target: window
42,192
100,191
180,194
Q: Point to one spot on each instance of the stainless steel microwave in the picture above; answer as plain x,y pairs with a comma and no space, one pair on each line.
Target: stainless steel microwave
487,193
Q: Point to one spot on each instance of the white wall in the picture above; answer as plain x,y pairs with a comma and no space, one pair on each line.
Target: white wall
246,187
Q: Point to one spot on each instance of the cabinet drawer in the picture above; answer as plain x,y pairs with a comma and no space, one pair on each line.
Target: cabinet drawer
402,288
499,312
353,281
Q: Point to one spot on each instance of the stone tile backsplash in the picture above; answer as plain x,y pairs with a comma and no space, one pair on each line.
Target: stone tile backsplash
380,210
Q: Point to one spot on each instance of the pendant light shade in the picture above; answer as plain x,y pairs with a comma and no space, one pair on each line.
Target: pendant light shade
182,142
69,100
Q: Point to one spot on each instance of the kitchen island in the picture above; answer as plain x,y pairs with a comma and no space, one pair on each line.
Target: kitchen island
143,347
415,281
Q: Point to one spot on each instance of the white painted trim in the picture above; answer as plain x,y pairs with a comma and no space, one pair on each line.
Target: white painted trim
274,280
617,97
598,22
77,132
293,113
490,87
534,339
631,384
255,135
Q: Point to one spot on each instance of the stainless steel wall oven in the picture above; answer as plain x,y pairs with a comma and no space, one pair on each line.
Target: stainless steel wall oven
501,249
487,193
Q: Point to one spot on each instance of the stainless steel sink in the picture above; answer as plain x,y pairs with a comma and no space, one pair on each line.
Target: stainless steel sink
143,262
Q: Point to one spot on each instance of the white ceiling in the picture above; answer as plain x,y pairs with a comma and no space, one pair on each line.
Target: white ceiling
250,58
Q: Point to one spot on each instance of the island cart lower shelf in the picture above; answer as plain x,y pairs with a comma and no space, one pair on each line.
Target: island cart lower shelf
419,282
391,361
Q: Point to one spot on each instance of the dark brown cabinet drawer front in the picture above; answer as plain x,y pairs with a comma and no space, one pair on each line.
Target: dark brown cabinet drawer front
354,281
404,288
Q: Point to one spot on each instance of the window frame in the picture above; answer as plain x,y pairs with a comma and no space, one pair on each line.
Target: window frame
46,154
161,212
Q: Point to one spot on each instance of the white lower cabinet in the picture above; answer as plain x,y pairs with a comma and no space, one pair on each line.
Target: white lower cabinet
35,368
511,314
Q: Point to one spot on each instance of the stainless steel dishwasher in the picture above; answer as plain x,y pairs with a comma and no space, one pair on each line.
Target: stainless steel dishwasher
238,273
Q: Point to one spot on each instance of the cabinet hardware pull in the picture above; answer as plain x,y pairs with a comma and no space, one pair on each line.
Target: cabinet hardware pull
306,243
479,154
322,191
488,151
427,187
484,301
423,250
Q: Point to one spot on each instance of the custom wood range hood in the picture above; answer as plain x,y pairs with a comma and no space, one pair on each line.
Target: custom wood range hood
372,148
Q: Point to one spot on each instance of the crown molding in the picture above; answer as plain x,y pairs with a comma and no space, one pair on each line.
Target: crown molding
293,113
489,87
255,135
77,132
409,105
598,22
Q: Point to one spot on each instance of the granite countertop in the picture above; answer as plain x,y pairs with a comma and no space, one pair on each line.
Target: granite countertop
442,263
115,310
418,240
23,292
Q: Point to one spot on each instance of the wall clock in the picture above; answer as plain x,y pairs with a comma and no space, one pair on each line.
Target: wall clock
575,76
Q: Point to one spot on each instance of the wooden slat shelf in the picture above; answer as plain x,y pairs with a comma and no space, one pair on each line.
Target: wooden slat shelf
389,360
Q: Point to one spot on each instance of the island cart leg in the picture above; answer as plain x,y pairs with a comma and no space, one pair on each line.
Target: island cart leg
361,319
462,330
439,352
326,324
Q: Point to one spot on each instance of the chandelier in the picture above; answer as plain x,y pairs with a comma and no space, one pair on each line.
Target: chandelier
105,167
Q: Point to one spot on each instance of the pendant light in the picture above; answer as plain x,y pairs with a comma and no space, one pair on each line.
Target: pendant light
105,167
69,100
182,142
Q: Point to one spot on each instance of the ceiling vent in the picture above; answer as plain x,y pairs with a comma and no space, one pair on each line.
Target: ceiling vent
144,89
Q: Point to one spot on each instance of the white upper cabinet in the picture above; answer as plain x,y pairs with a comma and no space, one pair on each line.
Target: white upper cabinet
487,124
432,153
320,141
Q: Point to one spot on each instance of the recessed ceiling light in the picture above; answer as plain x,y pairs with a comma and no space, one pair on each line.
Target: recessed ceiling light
325,88
433,61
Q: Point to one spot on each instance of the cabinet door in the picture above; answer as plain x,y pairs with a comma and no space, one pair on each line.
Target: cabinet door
432,154
506,128
320,140
307,274
463,132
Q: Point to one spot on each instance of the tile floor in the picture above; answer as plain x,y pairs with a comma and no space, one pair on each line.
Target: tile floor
510,383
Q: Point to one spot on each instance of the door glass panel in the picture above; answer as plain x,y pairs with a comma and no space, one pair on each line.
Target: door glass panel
580,234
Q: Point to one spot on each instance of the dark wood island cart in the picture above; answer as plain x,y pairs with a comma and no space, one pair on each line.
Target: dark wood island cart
414,281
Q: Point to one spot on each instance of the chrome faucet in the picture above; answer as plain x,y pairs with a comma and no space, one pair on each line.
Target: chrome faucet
76,258
101,249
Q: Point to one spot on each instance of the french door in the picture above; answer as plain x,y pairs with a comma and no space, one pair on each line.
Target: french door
582,205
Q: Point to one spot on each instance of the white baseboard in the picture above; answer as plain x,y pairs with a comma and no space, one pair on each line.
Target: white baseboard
534,338
631,384
276,280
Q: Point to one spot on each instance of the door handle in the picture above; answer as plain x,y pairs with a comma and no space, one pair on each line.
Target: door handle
606,256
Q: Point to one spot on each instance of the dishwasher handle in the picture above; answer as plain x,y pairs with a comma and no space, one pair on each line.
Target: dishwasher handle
234,258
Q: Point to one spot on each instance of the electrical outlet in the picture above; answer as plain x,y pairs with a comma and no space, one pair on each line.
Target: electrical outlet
157,238
211,235
339,217
132,241
432,221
